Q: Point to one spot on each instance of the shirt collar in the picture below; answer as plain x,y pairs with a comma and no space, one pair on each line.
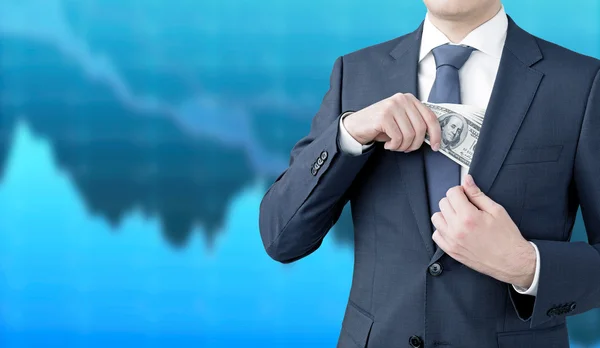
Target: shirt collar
488,38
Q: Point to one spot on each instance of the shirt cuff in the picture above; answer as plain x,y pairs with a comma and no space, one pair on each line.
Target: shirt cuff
348,144
536,277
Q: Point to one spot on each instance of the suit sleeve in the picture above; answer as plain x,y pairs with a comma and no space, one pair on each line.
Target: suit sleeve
307,199
569,281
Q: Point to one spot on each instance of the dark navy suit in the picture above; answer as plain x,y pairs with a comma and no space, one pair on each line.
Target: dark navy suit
538,156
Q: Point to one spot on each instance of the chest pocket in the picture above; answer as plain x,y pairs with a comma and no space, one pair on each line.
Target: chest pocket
529,155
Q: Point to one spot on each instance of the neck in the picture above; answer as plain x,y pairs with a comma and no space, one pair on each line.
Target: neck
457,28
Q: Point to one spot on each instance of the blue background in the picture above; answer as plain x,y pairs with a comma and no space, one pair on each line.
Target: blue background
137,138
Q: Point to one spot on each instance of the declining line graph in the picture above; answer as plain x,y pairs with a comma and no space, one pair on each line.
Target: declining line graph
200,115
182,187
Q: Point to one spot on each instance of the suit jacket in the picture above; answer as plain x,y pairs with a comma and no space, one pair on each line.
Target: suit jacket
538,155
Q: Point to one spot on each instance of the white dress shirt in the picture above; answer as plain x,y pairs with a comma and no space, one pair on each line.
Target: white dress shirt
477,77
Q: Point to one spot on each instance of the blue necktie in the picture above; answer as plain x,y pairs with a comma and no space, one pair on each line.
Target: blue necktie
440,171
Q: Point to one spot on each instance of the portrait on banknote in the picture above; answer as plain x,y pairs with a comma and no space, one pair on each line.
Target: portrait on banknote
460,126
454,130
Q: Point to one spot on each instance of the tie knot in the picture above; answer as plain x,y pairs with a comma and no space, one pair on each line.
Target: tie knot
453,55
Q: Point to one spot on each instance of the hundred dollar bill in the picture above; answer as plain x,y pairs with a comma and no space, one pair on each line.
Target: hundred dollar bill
460,130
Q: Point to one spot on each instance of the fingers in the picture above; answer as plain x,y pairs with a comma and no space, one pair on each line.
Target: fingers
382,138
397,124
459,201
418,125
440,240
447,210
439,222
408,132
478,198
413,121
393,132
432,124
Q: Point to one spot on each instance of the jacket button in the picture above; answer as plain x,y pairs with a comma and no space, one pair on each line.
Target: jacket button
415,342
320,161
573,306
436,269
313,171
324,155
552,312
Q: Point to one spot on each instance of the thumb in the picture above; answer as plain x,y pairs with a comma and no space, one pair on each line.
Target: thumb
476,196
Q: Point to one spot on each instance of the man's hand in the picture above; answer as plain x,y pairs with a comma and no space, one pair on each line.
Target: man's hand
479,233
400,121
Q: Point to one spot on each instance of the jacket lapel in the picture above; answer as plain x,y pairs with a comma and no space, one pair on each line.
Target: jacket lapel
513,92
402,77
514,89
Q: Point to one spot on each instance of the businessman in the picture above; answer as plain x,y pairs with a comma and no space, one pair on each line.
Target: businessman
446,256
